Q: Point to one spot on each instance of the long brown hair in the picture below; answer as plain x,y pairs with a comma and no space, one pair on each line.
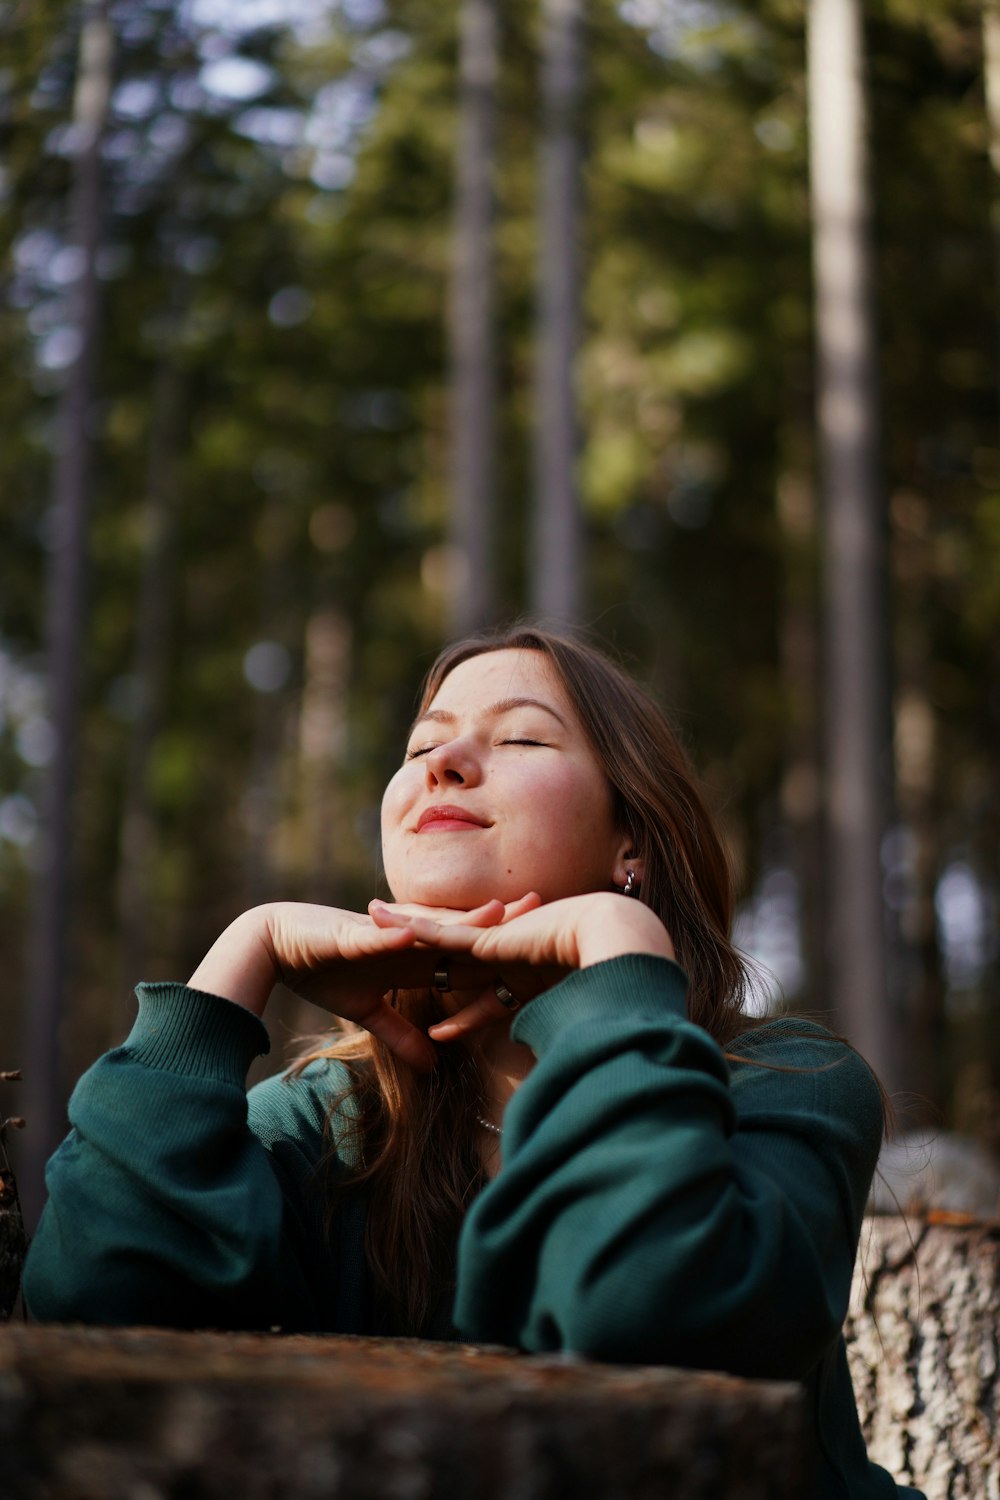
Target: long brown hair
413,1134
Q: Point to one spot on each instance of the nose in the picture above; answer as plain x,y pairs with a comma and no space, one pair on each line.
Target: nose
454,763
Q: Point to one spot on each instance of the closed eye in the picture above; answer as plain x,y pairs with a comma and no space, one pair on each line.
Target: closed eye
419,750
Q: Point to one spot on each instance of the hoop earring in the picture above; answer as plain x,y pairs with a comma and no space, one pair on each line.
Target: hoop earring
628,889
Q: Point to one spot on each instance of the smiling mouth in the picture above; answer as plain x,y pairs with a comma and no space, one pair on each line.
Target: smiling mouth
448,820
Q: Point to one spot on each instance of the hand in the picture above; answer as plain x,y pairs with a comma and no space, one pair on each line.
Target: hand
346,963
340,960
488,915
536,948
334,958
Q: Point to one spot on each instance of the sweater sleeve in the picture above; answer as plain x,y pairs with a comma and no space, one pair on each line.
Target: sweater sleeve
164,1206
657,1205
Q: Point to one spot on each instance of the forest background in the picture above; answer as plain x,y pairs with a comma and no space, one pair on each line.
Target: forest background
229,337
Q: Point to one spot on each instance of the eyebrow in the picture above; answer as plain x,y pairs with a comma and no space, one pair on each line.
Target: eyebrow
495,711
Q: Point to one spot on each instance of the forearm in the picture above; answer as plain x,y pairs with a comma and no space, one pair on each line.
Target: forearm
240,964
162,1207
638,1218
623,927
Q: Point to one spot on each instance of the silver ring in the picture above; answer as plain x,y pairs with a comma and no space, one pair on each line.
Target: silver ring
505,997
441,981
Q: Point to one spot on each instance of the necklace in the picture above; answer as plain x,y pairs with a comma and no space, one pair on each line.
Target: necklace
488,1125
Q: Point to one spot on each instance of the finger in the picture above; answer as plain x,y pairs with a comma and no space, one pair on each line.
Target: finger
528,902
488,915
450,937
386,917
402,1038
369,942
483,1012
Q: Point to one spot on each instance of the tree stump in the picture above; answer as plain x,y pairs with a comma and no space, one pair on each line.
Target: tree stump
111,1414
13,1245
923,1340
13,1240
105,1414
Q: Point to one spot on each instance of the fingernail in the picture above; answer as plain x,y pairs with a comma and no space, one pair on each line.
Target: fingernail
442,1029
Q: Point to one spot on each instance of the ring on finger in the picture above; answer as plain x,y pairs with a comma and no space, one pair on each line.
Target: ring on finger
504,995
441,980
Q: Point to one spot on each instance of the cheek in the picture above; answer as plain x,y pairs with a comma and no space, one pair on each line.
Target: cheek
395,801
566,839
571,811
400,788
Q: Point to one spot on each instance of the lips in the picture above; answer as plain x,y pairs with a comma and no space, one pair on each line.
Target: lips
442,818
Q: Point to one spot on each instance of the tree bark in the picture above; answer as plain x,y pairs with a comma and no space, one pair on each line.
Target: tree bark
473,326
66,616
264,794
322,735
13,1242
924,1349
802,779
137,840
119,1412
556,535
991,83
856,709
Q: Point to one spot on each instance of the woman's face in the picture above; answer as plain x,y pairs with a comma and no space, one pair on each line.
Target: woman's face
500,793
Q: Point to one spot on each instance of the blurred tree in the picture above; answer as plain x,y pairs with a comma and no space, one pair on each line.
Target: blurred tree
556,533
991,83
65,592
472,325
848,416
939,357
280,217
148,681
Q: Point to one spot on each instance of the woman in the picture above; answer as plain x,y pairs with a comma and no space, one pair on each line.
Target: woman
550,1125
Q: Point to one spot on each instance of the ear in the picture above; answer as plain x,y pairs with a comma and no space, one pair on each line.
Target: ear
626,859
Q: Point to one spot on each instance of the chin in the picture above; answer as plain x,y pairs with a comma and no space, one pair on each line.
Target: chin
452,891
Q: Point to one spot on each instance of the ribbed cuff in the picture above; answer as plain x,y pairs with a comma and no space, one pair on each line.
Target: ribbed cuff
190,1032
634,985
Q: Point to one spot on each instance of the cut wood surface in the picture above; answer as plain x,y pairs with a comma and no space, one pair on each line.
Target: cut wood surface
115,1413
924,1349
105,1414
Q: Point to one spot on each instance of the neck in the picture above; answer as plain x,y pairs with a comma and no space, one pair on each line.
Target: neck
504,1065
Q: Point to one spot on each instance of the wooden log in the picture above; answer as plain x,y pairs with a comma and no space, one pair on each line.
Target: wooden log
923,1341
105,1414
13,1240
13,1244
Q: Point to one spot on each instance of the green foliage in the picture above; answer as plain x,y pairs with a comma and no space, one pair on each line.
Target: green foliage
273,360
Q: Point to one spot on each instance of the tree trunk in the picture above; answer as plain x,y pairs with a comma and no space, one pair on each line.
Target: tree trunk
991,82
137,845
924,1350
123,1412
856,708
13,1242
556,537
802,778
263,796
473,326
322,734
916,780
66,616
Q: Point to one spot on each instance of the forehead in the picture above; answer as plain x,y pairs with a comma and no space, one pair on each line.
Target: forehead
494,676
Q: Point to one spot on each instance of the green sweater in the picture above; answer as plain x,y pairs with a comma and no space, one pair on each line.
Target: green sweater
656,1204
